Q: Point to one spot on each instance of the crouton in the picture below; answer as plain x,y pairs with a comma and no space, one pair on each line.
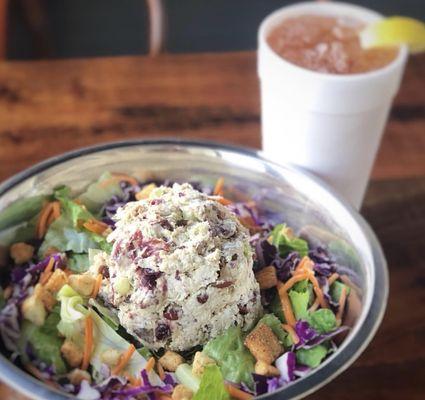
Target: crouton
262,368
171,360
21,252
48,299
83,284
263,344
200,362
33,309
72,353
266,277
76,376
181,392
145,192
56,281
110,357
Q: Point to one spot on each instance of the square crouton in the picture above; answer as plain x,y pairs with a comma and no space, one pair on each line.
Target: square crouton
56,281
263,344
266,277
171,360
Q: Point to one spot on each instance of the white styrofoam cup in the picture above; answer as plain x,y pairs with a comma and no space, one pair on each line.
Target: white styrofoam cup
328,124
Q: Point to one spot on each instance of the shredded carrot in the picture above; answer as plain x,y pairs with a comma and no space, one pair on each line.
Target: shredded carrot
47,271
294,279
95,226
318,291
237,393
97,285
160,370
224,201
50,219
332,278
56,209
347,281
133,380
286,304
219,187
292,333
341,305
150,364
315,305
39,375
41,227
162,396
119,177
124,359
88,342
304,265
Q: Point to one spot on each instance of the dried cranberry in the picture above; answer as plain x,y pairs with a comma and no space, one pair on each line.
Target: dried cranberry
104,270
243,309
171,313
234,257
202,298
181,222
177,276
166,225
148,277
162,331
223,284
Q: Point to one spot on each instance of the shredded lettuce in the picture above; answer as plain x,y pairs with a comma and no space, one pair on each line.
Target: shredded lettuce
312,357
97,194
44,341
284,239
336,289
323,320
21,211
185,376
276,308
78,263
234,359
212,385
299,301
108,316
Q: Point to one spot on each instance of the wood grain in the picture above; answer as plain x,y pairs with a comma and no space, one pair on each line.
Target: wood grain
47,108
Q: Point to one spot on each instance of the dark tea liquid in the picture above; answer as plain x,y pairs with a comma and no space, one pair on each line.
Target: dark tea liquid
327,44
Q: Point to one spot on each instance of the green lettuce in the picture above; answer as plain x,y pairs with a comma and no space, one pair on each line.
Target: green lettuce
45,342
300,302
212,385
234,359
21,211
108,316
336,289
275,325
312,357
276,308
185,376
322,320
78,263
97,194
283,238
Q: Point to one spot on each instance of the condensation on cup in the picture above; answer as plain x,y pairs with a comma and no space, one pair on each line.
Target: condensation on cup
329,124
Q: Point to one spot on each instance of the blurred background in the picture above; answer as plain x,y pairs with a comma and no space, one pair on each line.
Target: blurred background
33,29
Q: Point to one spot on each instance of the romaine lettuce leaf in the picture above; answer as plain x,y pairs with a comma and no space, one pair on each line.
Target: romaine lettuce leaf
78,262
276,308
234,359
20,211
97,194
323,320
212,385
312,357
44,341
299,301
185,376
284,239
336,289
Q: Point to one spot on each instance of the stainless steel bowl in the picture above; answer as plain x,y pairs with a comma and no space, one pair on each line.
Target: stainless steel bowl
304,202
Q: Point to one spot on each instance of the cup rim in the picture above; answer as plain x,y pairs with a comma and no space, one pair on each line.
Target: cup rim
263,44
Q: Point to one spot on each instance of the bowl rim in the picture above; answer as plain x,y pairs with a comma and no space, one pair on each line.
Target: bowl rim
25,383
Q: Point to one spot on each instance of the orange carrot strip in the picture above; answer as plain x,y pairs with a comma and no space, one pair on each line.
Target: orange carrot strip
318,291
39,375
47,271
95,226
292,333
133,380
237,393
150,364
294,279
124,359
224,201
315,305
341,305
88,342
332,278
160,370
286,304
219,186
97,285
41,227
304,265
56,210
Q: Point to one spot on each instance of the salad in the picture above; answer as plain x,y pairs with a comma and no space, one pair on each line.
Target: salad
161,290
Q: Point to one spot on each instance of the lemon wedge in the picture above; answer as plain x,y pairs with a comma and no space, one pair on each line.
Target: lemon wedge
394,31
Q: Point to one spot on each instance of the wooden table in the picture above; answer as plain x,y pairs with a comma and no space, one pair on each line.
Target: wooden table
50,107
